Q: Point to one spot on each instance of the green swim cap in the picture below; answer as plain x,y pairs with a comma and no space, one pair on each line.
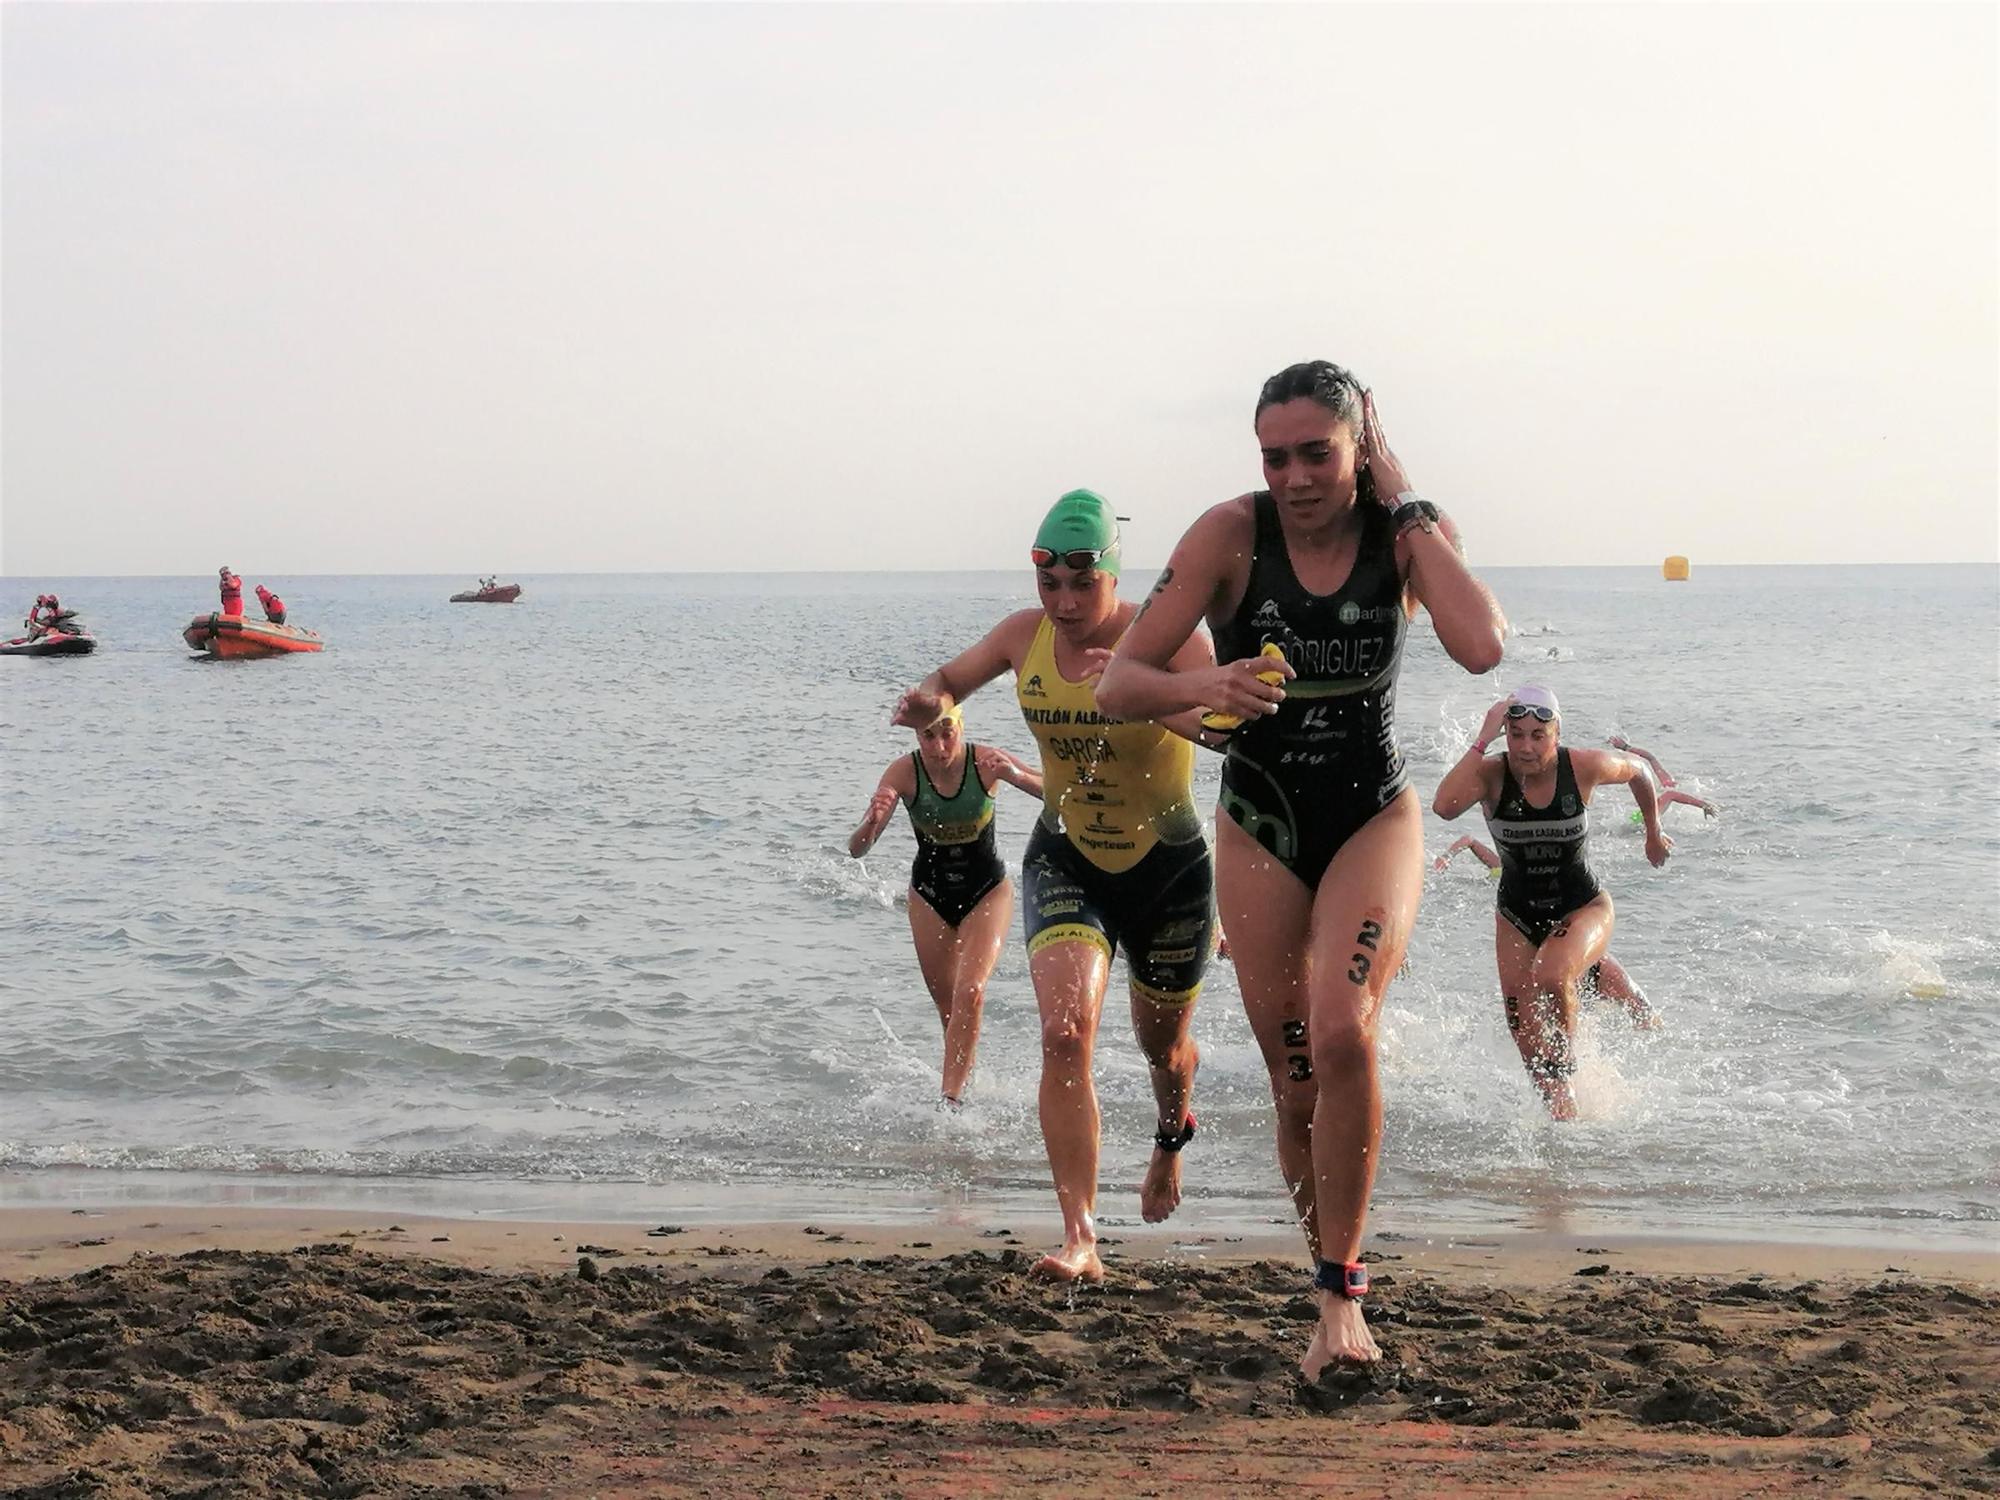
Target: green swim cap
1082,521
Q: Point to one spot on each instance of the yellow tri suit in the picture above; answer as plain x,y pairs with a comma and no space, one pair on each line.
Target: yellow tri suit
1117,855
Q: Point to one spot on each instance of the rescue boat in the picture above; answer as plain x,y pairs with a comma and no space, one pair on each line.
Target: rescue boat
72,642
505,593
231,637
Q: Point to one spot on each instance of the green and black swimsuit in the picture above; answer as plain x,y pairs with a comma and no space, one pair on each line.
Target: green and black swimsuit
1304,780
958,861
1545,872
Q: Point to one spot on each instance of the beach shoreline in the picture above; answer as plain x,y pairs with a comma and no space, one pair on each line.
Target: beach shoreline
53,1240
197,1348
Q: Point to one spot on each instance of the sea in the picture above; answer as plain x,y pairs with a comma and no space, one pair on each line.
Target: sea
545,909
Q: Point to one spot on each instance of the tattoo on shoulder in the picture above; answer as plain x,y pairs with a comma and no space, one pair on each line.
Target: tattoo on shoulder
1166,577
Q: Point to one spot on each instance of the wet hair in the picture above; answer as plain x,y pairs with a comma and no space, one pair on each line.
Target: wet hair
1333,387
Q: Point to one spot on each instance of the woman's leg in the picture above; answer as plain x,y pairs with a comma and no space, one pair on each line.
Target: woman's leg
936,942
1514,956
1362,916
1561,960
1613,983
1539,988
1165,1033
1069,981
1266,914
980,937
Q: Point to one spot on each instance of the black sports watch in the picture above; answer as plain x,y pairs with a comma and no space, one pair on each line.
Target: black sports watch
1414,511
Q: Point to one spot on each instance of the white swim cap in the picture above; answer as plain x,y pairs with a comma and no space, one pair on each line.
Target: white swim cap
1534,695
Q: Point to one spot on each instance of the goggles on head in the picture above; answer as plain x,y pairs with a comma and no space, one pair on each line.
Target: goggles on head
1522,710
1080,558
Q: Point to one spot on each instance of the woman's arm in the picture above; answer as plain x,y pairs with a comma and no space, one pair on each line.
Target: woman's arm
1470,780
1195,656
1149,677
1595,768
1003,765
1469,623
1479,852
898,784
1619,742
969,671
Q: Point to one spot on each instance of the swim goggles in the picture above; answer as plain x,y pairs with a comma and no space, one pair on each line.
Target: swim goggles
1522,710
1080,558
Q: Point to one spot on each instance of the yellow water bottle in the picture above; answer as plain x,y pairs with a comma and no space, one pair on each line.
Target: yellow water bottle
1224,723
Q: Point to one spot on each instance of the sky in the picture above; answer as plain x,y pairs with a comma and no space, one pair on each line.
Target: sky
559,288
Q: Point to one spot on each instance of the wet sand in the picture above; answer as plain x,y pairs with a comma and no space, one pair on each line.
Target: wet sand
209,1352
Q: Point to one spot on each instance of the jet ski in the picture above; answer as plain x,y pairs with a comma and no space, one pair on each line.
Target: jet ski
63,636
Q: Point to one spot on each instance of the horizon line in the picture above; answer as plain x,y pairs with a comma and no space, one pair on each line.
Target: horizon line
1128,574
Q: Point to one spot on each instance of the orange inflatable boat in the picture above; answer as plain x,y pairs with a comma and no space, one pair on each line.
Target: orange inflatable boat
233,636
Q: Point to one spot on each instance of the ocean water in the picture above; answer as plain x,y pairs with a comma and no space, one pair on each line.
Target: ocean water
492,903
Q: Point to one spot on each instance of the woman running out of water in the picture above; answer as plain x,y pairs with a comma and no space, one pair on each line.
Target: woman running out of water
1553,919
960,897
1309,587
1606,979
1116,860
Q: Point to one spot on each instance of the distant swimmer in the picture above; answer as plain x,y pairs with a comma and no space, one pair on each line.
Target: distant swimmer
1606,979
232,591
1320,838
1479,852
1117,860
1554,920
1669,793
274,607
960,897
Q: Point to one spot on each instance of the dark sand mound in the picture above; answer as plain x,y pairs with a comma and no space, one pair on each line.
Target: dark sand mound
331,1372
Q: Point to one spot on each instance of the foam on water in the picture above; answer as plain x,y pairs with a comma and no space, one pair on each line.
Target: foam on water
496,894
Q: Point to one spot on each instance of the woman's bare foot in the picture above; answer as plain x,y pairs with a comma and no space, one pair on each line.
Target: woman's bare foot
1342,1337
1076,1261
1160,1193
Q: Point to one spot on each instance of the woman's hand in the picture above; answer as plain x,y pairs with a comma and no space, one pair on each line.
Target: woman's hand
1235,687
1658,847
1618,742
1095,660
881,807
1495,721
917,709
1390,480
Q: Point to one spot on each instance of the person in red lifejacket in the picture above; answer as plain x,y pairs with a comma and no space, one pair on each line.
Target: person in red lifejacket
274,607
232,592
39,617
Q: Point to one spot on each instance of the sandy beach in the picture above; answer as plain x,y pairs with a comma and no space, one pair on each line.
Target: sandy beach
194,1351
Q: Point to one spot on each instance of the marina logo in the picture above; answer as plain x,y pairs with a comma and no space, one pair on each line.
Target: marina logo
1569,805
1032,688
1267,614
1349,612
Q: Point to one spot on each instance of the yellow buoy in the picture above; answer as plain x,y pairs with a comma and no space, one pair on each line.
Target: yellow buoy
1674,570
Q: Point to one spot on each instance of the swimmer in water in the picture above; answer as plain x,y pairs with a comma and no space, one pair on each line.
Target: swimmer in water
1117,860
1607,979
1320,837
1554,920
960,897
1668,792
